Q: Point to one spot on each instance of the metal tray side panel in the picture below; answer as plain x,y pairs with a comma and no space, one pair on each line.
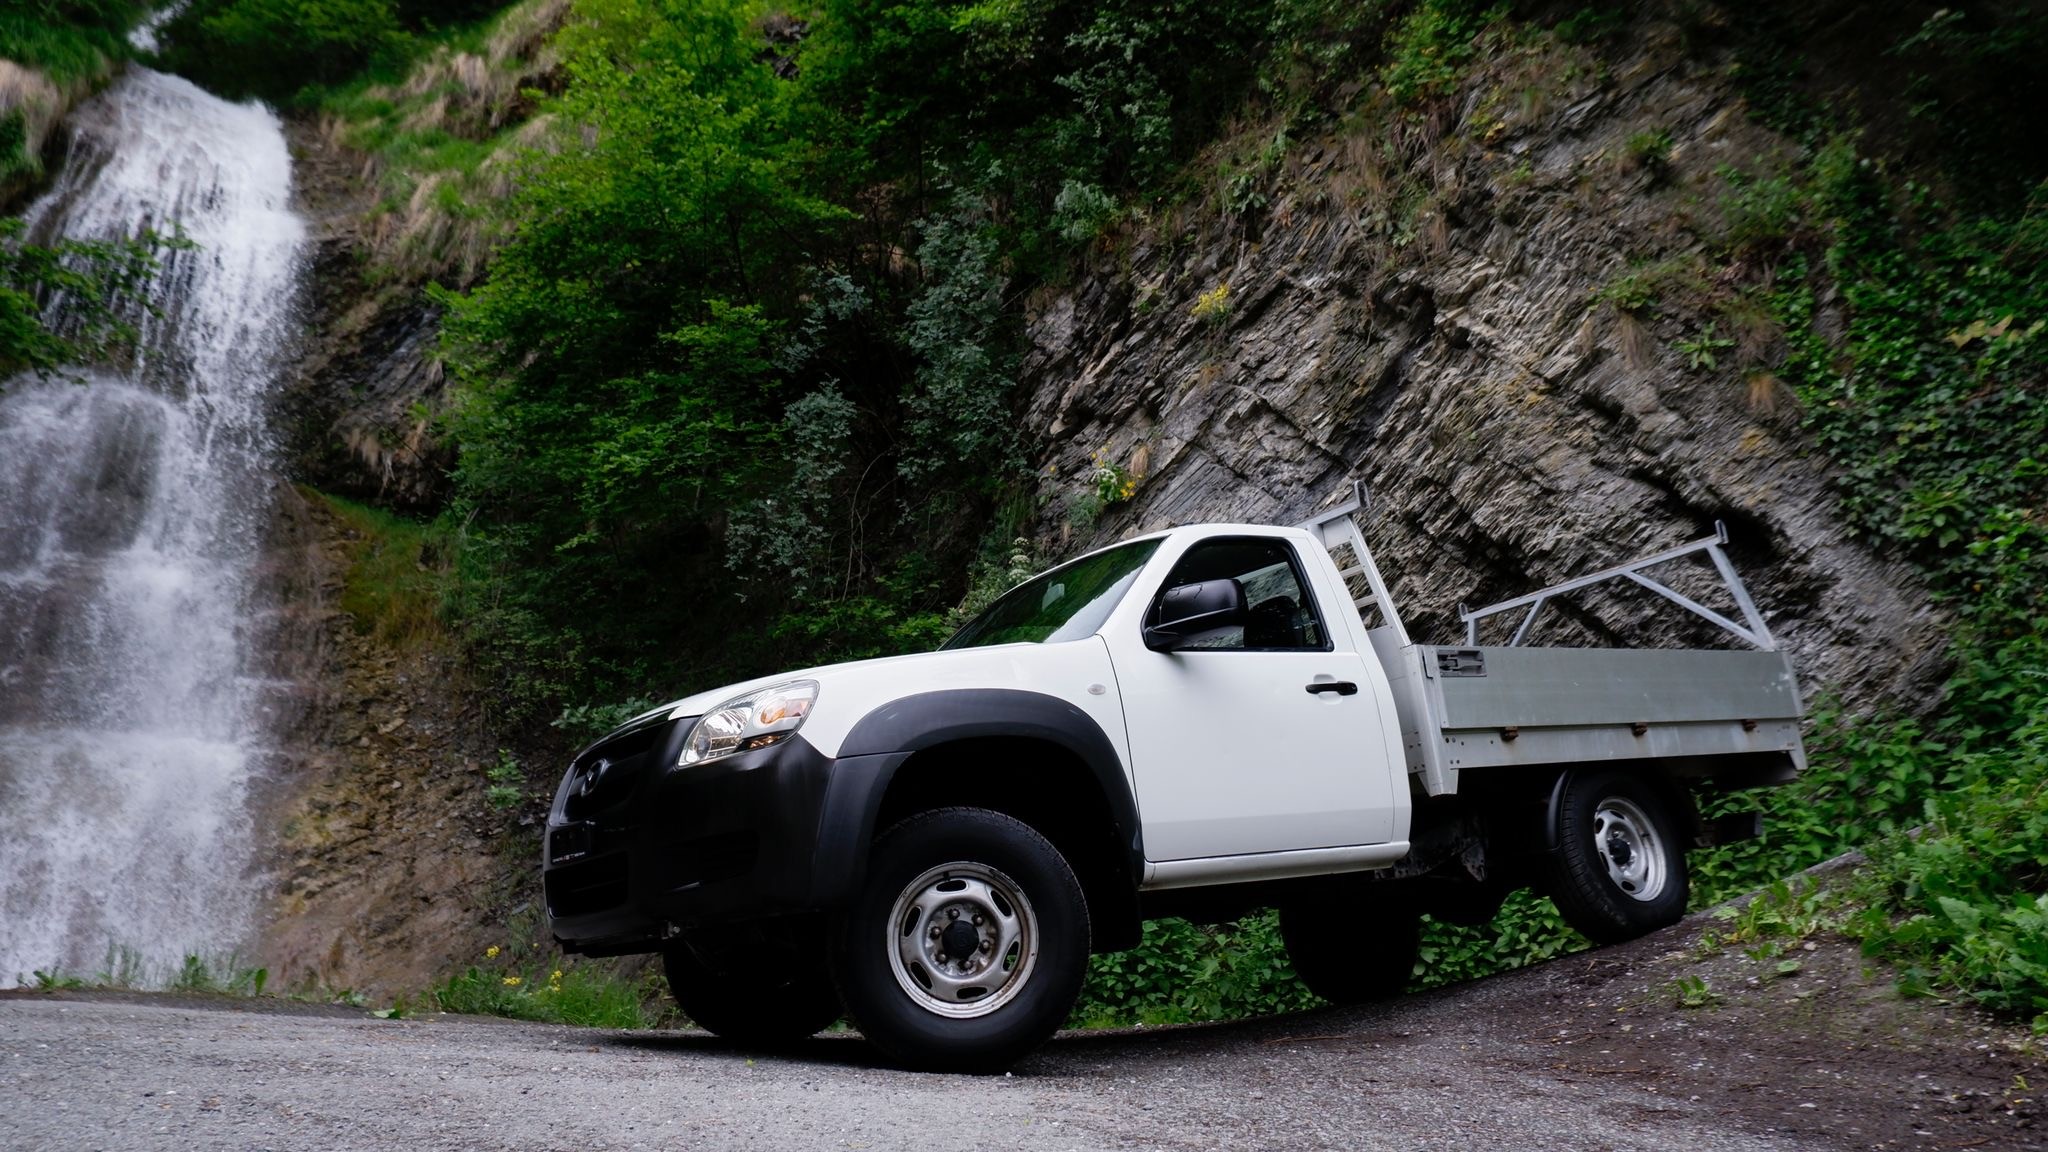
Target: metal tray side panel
1487,748
1560,687
1420,745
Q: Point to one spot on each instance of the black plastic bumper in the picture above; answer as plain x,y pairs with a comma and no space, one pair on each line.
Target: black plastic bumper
753,836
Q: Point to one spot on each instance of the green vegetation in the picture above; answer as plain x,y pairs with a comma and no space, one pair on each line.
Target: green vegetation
126,968
396,577
1185,972
68,40
715,357
1693,992
66,45
443,139
278,48
101,282
573,994
1433,44
231,979
736,391
504,779
1649,152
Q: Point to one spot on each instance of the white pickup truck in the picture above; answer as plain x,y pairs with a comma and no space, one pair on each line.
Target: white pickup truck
1198,722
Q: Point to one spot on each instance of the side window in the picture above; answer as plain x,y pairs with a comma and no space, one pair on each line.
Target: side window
1282,615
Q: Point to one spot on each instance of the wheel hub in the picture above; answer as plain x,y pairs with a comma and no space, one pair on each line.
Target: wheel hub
1631,847
962,940
1618,850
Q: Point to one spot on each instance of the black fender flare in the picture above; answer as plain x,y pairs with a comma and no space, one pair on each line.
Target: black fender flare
883,739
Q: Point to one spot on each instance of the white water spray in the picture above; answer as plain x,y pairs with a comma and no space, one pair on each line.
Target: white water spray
132,506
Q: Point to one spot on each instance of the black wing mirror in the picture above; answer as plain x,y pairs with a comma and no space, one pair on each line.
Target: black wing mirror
1189,609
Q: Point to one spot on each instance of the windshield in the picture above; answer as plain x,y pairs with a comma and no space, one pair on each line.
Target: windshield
1067,603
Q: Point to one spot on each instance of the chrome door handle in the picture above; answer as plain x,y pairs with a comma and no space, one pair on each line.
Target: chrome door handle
1340,687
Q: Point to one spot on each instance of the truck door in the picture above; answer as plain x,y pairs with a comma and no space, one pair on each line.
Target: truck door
1260,737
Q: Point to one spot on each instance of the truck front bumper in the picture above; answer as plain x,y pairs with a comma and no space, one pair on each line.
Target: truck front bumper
749,837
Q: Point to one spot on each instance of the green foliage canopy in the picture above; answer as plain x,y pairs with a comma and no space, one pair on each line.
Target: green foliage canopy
738,389
275,48
67,39
100,284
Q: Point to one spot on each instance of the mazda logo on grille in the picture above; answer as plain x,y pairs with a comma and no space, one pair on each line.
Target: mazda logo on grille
592,776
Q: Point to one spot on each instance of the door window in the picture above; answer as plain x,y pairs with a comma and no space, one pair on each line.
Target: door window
1281,615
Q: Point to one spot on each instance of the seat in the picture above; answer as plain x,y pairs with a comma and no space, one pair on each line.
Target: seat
1275,622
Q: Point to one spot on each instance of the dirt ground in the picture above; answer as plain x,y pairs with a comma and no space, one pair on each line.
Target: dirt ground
1826,1050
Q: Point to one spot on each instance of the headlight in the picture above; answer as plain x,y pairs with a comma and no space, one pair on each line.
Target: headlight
756,720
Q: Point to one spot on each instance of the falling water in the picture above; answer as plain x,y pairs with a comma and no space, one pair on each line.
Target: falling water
132,506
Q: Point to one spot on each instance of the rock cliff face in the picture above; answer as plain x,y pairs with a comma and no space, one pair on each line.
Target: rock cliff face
1414,305
32,107
388,869
368,373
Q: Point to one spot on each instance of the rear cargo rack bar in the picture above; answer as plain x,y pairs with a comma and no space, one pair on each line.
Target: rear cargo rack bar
1336,527
1756,632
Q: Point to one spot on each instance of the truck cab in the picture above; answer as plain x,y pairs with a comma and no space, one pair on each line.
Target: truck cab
1193,722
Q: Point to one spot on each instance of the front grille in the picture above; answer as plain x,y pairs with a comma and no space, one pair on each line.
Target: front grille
608,772
586,887
629,741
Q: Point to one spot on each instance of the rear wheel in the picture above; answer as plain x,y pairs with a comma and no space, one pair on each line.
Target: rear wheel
1350,955
755,1001
1618,871
966,945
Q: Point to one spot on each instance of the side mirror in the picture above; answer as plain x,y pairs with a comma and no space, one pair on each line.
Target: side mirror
1188,609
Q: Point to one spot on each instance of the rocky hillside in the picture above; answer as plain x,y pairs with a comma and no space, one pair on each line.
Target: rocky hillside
390,868
1526,278
1426,303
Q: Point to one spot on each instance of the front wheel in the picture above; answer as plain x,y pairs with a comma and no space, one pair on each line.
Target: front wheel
966,946
767,1005
1618,870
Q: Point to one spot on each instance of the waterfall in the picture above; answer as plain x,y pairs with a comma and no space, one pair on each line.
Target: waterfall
132,508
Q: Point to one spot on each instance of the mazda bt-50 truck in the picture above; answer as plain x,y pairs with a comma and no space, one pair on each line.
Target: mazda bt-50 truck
1199,722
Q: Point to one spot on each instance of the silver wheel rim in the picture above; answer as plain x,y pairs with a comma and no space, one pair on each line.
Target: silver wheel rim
930,926
1631,848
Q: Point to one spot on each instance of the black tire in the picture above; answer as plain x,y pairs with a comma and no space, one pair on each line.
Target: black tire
928,880
1618,869
1353,955
751,1009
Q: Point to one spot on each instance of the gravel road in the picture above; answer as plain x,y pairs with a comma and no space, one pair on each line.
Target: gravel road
130,1072
1590,1053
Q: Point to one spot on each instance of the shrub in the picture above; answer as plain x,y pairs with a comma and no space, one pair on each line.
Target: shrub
276,48
1183,972
1428,51
68,40
103,283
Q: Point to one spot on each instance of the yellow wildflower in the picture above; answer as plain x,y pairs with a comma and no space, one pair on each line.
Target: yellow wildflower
491,953
555,977
511,981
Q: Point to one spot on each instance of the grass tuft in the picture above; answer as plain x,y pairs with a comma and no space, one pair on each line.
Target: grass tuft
398,570
581,995
443,143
